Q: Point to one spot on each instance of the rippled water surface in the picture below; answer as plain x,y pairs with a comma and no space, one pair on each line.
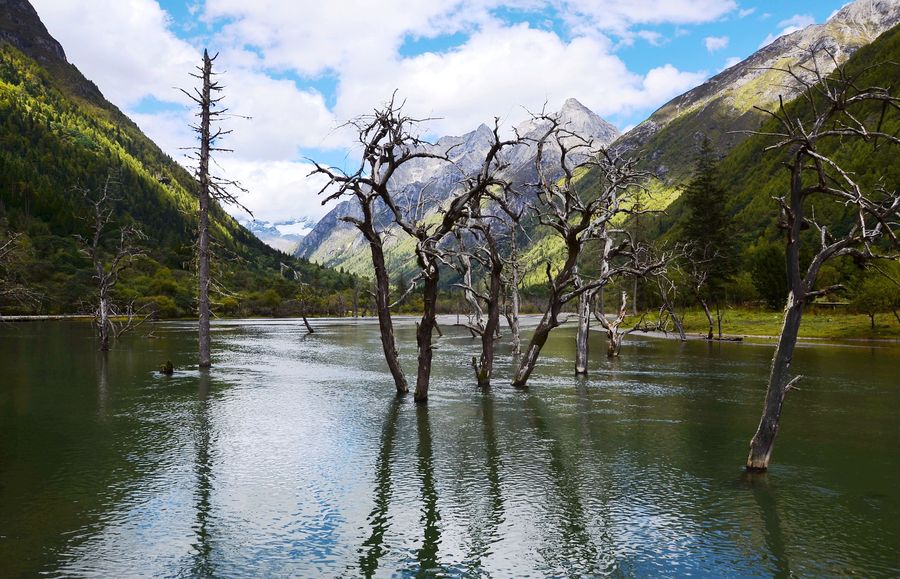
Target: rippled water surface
292,457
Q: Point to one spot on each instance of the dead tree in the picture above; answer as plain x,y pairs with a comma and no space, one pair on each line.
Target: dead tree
698,260
667,291
485,250
511,311
107,269
834,110
211,188
388,140
576,218
12,253
429,236
611,326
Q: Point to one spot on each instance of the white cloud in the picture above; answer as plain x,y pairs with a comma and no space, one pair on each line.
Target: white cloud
731,61
125,47
746,12
130,49
278,190
714,43
502,69
651,36
796,22
789,25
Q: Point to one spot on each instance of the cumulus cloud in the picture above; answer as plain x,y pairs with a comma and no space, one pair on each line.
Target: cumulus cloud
743,13
125,47
500,70
274,51
278,190
714,43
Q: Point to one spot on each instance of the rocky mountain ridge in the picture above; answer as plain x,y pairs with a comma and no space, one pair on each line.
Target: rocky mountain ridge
336,243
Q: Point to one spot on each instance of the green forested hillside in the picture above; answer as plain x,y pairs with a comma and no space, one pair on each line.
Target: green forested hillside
752,176
59,137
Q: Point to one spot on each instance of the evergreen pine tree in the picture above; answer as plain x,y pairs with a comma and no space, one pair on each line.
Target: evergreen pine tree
708,227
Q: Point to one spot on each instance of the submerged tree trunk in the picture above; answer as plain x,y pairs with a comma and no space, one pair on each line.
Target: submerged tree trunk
779,384
104,323
309,329
382,306
203,234
423,332
513,317
486,365
613,336
583,334
538,339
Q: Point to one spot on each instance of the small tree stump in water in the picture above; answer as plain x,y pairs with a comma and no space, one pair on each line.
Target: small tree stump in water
168,368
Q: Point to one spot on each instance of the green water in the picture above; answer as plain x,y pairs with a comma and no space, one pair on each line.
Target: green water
291,457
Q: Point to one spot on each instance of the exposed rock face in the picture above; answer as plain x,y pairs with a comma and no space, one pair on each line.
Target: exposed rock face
24,30
426,183
21,26
725,102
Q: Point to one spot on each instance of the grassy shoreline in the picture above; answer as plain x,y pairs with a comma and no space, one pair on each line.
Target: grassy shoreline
817,324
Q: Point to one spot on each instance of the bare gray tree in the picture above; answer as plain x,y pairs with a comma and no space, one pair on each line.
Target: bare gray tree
108,319
429,235
388,140
211,187
577,217
835,110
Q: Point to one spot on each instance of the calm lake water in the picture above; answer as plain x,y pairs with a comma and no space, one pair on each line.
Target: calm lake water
291,457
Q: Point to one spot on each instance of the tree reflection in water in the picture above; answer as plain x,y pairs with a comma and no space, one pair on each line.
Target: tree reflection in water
202,548
765,496
373,548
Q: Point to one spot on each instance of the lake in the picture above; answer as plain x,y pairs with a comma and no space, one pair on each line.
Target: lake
292,457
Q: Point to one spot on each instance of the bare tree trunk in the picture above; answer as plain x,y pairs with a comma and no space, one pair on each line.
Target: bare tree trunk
764,439
382,306
309,328
719,318
476,310
677,321
538,339
634,294
203,242
709,319
486,366
514,316
584,328
104,322
613,336
423,333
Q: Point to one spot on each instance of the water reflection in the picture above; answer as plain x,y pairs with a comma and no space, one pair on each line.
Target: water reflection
102,384
292,459
576,553
427,555
764,494
373,548
484,533
202,564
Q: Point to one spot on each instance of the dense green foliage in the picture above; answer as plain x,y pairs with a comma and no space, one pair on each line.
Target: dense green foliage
55,143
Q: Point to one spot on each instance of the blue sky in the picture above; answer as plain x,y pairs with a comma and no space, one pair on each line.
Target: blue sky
301,68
